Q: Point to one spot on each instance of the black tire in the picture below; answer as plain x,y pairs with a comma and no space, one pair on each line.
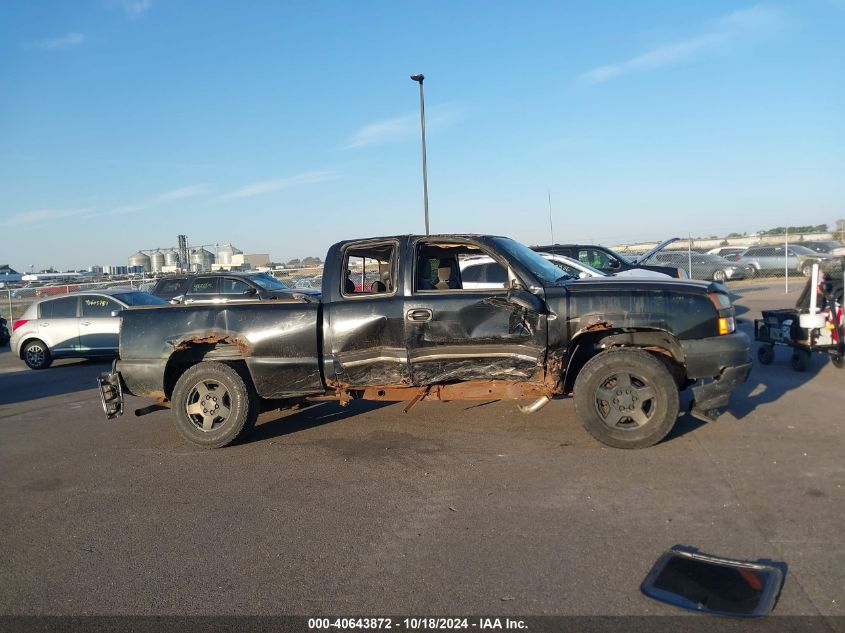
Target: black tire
213,404
720,276
766,354
807,270
838,361
626,398
800,360
36,354
750,272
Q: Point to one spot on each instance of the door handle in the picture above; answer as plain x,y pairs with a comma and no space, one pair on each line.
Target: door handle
85,323
189,301
419,315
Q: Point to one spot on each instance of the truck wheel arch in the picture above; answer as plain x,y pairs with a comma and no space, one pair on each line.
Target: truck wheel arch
188,354
587,344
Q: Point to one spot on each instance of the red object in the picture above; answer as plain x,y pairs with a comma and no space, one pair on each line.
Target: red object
18,323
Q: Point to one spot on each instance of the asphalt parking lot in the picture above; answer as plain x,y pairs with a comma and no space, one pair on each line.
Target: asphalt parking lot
452,508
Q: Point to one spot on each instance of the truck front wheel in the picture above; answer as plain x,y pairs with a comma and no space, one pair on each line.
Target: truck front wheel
626,398
213,404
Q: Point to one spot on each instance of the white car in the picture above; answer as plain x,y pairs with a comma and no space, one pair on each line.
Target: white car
75,325
482,271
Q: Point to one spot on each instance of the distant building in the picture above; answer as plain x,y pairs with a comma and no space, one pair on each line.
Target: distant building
244,261
5,270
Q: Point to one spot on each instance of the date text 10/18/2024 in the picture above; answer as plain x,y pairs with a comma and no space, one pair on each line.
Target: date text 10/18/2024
416,624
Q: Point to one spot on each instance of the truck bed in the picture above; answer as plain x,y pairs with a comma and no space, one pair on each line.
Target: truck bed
277,340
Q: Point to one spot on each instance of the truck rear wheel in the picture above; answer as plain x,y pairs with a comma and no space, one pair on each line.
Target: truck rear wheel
626,398
213,404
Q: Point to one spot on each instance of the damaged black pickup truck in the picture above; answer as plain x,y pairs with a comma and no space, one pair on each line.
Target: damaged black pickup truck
394,323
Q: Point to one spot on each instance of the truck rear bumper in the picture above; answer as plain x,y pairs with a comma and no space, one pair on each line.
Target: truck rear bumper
111,392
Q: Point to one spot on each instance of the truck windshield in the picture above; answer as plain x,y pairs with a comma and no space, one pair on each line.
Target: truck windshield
268,282
545,271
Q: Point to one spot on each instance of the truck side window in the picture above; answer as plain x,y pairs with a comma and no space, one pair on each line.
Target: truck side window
233,286
203,285
437,267
98,307
369,270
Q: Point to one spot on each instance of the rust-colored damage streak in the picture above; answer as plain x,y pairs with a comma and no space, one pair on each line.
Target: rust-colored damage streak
597,326
468,390
214,339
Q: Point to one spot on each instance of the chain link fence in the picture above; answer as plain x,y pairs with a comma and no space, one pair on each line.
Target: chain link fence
13,301
782,256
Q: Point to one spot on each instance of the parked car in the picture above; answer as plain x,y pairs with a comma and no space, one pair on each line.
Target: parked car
4,332
622,347
224,287
826,247
76,325
609,261
703,266
485,272
726,251
774,259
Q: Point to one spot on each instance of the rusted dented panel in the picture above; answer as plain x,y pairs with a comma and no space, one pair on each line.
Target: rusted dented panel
277,341
683,309
241,347
470,390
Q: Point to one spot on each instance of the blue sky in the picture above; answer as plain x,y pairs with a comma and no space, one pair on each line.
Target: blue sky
285,126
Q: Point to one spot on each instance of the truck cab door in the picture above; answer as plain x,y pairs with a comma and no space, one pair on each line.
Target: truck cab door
457,334
366,318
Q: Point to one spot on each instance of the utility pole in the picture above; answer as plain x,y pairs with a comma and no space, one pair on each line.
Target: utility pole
419,78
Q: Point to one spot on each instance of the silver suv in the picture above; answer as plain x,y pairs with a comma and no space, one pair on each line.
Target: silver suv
75,325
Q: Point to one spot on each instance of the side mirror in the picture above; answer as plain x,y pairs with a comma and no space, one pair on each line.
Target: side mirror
177,299
116,313
613,264
525,299
582,275
250,291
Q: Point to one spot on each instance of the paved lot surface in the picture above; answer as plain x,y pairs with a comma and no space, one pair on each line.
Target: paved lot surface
453,508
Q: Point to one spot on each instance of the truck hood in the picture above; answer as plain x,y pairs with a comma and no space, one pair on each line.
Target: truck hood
656,249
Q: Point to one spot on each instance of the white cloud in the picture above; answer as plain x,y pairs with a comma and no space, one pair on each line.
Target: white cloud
728,29
134,8
126,209
43,215
183,192
404,127
268,186
70,40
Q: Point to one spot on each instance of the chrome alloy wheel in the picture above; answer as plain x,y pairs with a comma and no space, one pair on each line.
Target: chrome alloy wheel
208,405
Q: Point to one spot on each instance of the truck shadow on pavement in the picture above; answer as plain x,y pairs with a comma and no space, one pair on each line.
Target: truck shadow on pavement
280,423
68,377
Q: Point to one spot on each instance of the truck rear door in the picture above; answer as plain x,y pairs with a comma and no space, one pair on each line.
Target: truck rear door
365,314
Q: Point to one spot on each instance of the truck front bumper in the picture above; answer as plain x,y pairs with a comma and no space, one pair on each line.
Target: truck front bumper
720,364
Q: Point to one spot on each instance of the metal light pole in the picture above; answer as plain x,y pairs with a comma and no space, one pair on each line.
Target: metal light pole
419,78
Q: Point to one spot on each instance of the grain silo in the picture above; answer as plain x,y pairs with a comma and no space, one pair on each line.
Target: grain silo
171,257
201,260
225,252
156,261
140,260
